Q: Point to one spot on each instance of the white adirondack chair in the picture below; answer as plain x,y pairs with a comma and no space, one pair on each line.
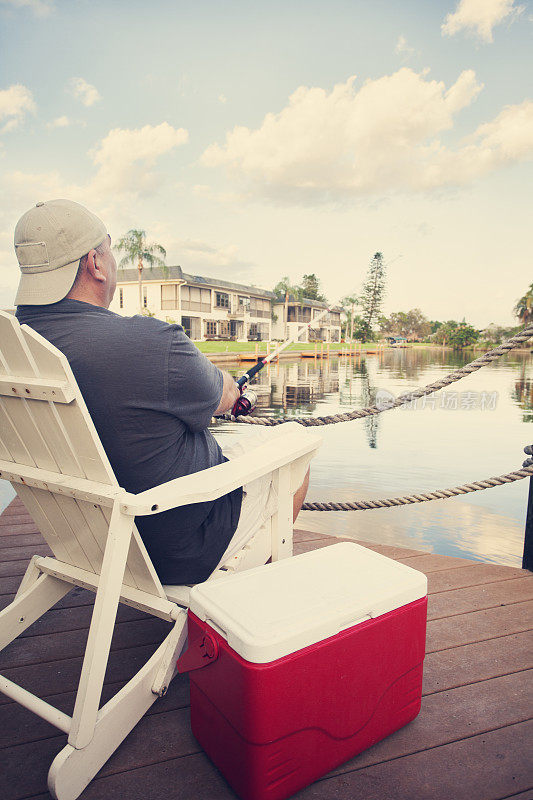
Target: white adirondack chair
50,451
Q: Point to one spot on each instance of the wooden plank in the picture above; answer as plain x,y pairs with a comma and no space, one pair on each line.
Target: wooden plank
26,525
474,598
478,626
75,598
9,585
459,666
61,620
476,575
13,568
453,715
20,726
54,677
445,718
29,538
36,389
53,647
391,551
14,507
307,536
432,562
46,526
19,553
484,767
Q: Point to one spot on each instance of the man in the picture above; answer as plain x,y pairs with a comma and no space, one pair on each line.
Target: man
150,392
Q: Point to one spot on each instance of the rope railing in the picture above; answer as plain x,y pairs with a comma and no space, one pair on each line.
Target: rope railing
438,494
515,341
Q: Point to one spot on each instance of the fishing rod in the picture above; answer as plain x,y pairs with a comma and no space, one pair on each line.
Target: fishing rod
248,399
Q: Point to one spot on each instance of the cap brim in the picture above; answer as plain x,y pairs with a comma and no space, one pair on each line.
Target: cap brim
44,288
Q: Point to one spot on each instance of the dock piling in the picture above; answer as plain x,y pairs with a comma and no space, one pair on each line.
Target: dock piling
527,558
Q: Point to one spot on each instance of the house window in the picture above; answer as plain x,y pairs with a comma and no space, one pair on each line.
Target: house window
121,297
145,297
221,300
194,298
244,303
169,295
259,308
210,327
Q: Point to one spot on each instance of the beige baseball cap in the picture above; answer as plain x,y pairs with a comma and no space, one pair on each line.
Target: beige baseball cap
50,239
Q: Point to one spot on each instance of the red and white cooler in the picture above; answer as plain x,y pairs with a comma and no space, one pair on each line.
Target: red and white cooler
299,665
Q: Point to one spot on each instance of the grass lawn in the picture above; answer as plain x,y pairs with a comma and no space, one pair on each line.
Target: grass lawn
244,347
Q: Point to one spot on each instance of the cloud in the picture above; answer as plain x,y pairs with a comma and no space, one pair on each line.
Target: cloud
83,91
402,48
125,157
15,103
41,8
479,17
349,142
124,162
59,122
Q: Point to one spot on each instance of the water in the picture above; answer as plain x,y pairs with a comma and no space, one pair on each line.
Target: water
474,429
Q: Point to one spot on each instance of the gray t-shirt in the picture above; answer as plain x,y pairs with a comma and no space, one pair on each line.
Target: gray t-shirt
151,395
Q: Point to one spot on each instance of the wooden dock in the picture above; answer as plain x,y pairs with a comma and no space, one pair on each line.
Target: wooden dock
471,741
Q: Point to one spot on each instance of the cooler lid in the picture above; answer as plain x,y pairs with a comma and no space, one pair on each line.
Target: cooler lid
270,611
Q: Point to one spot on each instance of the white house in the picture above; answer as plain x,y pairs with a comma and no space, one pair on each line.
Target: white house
208,308
289,317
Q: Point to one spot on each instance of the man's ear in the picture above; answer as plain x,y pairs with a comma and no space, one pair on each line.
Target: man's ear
93,269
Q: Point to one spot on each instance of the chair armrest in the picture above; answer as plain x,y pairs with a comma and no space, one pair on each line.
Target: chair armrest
209,484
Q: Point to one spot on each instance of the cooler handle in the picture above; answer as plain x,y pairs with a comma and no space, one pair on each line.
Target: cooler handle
201,652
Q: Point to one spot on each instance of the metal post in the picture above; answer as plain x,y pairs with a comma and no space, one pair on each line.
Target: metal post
527,559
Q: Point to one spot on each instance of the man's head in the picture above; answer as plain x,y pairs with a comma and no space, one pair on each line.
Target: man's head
63,250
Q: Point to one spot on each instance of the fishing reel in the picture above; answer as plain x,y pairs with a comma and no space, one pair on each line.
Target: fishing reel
245,404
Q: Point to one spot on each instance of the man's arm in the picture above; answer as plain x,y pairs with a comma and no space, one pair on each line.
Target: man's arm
230,394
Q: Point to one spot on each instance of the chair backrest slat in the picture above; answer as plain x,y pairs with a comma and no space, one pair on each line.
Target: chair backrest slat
60,437
83,437
54,538
12,446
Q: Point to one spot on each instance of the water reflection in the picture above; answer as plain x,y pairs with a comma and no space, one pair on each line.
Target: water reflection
473,429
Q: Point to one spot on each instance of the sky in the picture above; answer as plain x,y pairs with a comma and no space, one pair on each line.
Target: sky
257,140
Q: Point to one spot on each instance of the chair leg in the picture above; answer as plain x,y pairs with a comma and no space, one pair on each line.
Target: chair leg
29,605
72,769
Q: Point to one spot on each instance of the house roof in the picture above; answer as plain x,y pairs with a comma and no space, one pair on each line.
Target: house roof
156,275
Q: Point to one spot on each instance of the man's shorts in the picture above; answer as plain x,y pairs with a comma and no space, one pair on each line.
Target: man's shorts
259,497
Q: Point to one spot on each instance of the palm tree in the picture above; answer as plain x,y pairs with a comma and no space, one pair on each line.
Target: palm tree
349,303
137,251
524,308
285,287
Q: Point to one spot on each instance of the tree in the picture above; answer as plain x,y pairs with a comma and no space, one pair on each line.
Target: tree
138,252
310,288
372,294
284,288
464,336
445,331
349,303
456,334
524,307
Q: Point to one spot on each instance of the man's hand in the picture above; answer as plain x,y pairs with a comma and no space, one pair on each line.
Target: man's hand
230,394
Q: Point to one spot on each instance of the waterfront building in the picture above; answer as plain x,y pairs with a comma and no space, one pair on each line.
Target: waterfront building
208,308
288,317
